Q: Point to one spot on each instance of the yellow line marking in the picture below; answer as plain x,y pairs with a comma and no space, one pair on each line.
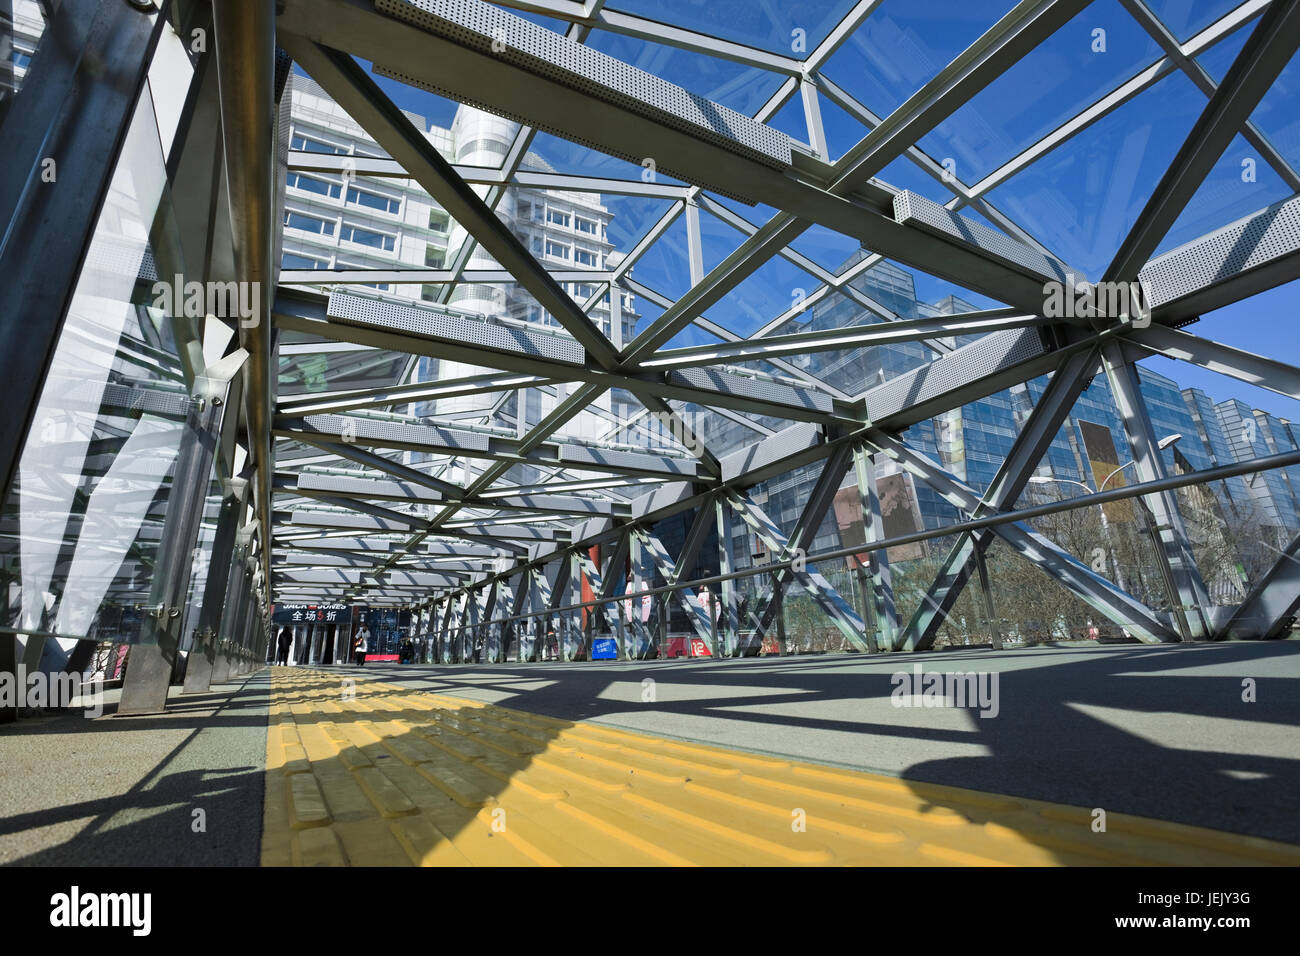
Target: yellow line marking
387,776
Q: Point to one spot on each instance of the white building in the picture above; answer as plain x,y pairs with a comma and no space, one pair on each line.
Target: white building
343,221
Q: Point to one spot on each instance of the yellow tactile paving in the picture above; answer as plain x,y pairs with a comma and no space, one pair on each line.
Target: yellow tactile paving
379,775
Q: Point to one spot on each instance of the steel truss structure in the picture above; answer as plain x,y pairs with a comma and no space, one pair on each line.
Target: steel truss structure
511,537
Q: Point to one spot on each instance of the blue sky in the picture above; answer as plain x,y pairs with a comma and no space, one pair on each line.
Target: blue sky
1079,200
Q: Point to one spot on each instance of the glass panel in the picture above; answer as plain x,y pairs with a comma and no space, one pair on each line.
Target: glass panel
82,528
1186,18
720,432
202,564
772,289
902,173
903,45
1276,117
1092,54
1081,199
826,247
561,156
1239,184
1218,58
321,367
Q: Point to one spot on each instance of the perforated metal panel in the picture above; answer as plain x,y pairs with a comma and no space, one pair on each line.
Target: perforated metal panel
337,576
365,487
330,519
419,579
122,399
787,442
121,257
369,430
573,503
742,387
446,326
578,456
663,497
508,532
919,211
339,544
1236,248
487,29
979,360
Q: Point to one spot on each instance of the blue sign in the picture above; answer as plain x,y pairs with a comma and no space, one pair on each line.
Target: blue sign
604,649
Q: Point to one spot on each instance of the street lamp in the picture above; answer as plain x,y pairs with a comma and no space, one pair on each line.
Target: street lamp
1161,445
1105,524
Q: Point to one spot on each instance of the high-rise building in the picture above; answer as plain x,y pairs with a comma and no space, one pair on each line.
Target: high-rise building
347,221
973,440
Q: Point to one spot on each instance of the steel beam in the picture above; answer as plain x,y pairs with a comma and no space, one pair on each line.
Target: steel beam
357,93
1044,423
856,336
842,614
1191,597
203,652
153,660
881,598
1089,587
669,571
245,40
1271,604
394,395
464,443
1266,52
421,330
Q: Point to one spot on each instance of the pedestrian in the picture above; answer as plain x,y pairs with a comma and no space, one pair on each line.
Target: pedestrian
286,639
362,645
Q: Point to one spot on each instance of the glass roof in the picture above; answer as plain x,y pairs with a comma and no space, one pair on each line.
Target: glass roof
1056,152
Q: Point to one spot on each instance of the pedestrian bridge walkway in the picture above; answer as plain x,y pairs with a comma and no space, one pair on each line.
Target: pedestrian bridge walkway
367,772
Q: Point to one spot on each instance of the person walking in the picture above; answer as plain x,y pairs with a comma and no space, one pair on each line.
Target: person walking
362,645
286,639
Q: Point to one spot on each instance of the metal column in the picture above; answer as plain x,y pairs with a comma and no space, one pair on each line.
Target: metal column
203,654
1189,596
233,607
881,597
727,614
144,689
